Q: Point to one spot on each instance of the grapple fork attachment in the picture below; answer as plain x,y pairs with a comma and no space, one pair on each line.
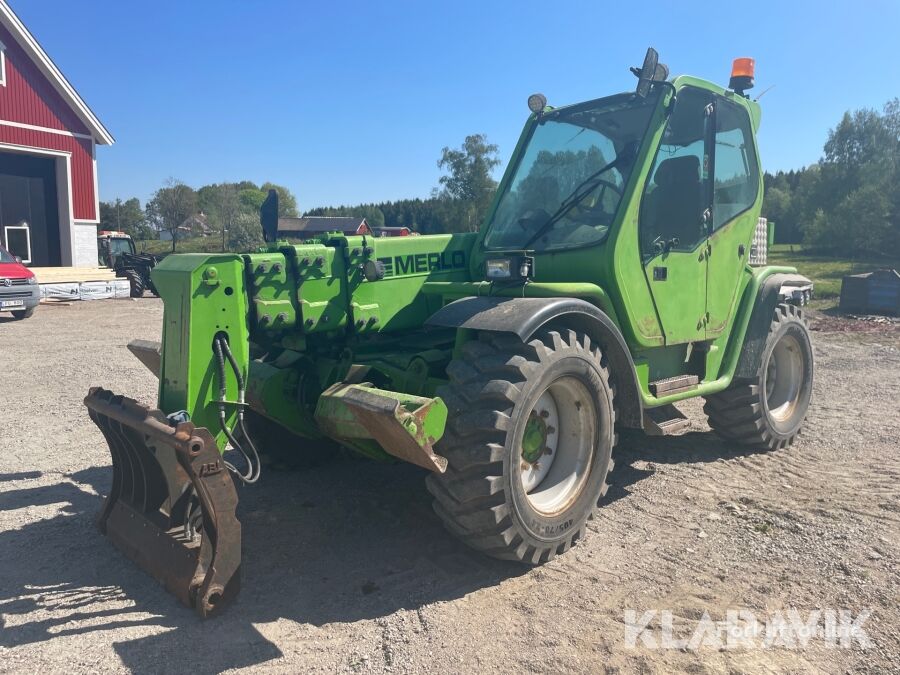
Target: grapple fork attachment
171,508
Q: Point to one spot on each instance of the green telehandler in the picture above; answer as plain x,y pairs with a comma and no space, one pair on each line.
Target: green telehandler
615,274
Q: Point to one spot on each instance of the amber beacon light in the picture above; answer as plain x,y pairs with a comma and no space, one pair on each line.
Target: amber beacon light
742,74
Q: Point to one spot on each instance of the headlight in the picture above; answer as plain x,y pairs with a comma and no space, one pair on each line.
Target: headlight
32,280
498,269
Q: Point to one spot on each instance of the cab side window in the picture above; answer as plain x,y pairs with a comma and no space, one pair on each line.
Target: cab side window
677,193
736,168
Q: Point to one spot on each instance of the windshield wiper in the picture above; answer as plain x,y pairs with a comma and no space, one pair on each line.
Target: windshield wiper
582,190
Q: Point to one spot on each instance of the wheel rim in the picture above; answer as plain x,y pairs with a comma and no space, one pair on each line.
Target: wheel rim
784,378
557,446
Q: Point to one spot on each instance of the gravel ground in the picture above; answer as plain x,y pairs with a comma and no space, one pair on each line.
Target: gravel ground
346,568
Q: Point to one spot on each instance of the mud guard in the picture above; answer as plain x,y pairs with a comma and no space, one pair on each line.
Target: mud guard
526,316
162,476
767,298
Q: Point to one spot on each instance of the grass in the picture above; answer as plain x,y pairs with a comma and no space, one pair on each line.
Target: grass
826,271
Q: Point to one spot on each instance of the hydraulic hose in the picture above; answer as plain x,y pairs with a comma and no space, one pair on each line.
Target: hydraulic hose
223,351
242,391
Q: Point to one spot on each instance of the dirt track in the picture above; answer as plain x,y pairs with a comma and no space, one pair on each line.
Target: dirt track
346,568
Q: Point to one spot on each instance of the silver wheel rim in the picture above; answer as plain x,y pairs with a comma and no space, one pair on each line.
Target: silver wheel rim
556,446
784,378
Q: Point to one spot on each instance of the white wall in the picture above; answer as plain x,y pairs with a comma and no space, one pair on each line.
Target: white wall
84,245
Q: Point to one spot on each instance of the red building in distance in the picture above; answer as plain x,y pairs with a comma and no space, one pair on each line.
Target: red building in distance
49,201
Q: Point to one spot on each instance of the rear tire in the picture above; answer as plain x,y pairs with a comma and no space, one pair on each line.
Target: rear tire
768,410
529,444
136,283
20,314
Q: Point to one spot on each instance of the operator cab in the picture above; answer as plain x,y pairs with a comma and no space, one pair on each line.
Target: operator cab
567,186
113,244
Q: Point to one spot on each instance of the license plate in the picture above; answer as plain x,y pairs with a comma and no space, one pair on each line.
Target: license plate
9,304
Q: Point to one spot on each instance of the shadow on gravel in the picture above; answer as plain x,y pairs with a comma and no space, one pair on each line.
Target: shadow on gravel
20,475
337,543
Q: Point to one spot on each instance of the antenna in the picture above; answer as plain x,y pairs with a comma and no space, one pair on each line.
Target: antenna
763,93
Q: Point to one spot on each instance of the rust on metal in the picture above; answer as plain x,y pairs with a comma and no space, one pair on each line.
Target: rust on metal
171,508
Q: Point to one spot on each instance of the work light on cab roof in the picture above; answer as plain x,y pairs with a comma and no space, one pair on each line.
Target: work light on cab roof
537,103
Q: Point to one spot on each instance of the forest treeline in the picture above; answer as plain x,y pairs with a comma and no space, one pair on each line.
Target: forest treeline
848,202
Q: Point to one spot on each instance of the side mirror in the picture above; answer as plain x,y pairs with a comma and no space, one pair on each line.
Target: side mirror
18,259
652,71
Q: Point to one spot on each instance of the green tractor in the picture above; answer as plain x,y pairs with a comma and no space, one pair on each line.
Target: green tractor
611,279
116,250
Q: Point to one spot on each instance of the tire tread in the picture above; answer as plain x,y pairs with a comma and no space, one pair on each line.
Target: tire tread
483,387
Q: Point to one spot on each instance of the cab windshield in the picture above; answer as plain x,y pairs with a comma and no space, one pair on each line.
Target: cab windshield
569,182
119,245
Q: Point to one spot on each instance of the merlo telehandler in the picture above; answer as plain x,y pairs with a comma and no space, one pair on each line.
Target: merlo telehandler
611,278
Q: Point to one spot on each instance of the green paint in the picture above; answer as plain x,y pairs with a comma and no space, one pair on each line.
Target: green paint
311,319
203,296
534,438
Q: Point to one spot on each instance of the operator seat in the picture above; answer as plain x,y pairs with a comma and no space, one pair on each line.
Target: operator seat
675,205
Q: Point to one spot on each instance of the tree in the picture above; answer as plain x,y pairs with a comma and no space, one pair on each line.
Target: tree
469,181
221,204
229,208
855,200
849,201
208,198
170,206
126,216
251,199
776,207
245,233
373,215
287,203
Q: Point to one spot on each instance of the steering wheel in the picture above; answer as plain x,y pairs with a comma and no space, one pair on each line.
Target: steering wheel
594,214
533,218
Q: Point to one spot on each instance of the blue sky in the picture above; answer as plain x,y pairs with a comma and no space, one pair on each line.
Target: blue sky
346,102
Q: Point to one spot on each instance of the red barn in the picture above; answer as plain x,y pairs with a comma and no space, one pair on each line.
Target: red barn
49,203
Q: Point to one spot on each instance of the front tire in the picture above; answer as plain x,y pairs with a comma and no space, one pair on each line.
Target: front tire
767,411
20,314
529,444
136,283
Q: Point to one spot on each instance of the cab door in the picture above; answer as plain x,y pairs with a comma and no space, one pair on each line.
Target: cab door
674,219
735,210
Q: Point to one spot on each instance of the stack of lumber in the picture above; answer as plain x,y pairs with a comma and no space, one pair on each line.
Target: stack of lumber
72,275
80,283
